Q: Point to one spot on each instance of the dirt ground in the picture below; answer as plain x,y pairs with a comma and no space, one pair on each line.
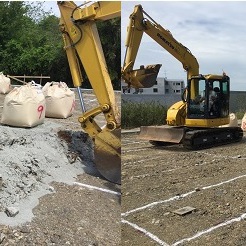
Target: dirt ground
156,181
71,214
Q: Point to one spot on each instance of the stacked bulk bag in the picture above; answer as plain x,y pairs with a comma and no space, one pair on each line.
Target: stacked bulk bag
233,121
5,85
243,124
24,106
60,100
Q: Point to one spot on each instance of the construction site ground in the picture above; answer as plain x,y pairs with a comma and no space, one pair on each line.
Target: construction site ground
156,181
68,213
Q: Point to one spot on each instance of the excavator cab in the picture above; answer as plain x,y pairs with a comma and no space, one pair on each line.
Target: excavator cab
208,98
195,121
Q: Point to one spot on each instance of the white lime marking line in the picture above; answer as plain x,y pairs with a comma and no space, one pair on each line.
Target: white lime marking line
148,234
182,195
97,188
198,234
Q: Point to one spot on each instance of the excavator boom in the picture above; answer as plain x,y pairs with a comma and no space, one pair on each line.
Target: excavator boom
82,44
205,102
144,77
140,22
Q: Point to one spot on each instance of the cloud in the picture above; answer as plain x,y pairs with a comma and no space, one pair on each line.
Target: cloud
213,31
53,6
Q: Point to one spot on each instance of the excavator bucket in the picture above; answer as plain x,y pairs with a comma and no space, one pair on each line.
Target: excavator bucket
165,133
107,153
145,77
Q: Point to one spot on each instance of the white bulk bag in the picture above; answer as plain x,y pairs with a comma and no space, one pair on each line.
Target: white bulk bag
243,124
5,86
24,106
233,121
60,100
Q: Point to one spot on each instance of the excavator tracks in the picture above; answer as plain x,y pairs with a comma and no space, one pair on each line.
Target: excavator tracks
206,138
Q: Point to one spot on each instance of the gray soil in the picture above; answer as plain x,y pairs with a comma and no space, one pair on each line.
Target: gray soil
213,181
39,167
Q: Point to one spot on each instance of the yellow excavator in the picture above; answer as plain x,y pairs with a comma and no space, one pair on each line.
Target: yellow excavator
83,46
196,120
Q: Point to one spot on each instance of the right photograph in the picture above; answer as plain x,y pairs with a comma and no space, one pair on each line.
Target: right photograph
183,117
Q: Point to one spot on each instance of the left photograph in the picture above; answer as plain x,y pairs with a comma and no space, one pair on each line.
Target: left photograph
60,141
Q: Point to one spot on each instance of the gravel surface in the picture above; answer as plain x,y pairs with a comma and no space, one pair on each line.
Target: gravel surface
156,181
39,167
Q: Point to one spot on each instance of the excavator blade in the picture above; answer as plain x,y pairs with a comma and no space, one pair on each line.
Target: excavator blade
165,133
145,77
107,153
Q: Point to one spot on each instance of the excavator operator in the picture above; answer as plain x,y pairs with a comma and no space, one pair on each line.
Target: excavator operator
212,100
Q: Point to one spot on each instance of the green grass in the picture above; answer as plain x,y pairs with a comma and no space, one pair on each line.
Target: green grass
240,114
142,114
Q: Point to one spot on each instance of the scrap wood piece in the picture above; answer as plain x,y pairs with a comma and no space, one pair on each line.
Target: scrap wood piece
185,210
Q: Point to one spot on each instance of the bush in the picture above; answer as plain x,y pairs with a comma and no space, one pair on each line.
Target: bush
240,114
142,114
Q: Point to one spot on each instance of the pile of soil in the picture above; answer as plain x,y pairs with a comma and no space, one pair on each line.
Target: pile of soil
32,158
62,214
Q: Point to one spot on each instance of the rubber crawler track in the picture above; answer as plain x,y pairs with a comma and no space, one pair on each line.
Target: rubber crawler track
206,138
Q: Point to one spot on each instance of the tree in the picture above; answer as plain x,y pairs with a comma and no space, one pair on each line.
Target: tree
31,43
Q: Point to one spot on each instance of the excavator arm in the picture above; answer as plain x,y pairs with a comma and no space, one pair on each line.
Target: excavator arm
197,116
82,44
140,22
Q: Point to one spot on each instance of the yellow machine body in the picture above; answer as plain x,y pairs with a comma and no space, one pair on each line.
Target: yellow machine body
82,44
195,112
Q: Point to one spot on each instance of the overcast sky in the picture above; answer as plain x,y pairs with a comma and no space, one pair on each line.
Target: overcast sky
51,5
213,31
